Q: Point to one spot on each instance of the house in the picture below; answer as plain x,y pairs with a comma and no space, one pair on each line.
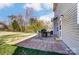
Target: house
65,25
3,26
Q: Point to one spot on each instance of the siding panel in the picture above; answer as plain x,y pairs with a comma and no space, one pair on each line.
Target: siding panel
70,28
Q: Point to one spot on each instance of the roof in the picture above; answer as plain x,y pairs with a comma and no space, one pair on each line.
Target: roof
3,26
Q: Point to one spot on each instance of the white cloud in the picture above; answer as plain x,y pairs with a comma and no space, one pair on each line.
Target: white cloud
47,5
39,6
47,17
35,6
3,5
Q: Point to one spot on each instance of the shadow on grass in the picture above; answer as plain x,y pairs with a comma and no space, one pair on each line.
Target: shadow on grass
17,50
29,51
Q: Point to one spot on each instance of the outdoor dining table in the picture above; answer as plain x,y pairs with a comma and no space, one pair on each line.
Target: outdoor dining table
47,33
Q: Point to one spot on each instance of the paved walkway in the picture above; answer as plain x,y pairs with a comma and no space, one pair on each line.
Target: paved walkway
46,44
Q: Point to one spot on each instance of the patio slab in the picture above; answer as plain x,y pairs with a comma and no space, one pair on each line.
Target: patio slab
46,44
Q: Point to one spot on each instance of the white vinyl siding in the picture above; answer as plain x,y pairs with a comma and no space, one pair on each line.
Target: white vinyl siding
70,28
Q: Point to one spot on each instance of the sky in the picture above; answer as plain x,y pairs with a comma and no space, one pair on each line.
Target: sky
43,11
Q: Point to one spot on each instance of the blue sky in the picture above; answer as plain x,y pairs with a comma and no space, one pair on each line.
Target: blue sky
38,10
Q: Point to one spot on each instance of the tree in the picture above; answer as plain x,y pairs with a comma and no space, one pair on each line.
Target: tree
17,21
15,26
39,25
36,25
32,21
12,18
20,21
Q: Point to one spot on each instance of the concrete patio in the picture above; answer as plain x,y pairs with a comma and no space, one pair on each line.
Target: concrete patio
46,44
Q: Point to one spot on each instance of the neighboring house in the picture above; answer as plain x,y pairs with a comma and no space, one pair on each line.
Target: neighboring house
65,25
3,26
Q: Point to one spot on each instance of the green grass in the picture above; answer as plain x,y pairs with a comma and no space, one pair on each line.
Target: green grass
16,50
7,49
12,37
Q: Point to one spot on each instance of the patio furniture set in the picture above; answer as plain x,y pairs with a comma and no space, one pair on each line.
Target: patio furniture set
45,33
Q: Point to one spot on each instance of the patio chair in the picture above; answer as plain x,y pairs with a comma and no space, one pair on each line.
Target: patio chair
51,32
44,33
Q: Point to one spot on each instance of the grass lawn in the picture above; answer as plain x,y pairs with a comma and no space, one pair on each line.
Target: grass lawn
16,50
6,49
13,36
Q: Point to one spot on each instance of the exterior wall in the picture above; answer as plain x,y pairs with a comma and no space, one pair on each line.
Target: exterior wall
55,31
70,28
